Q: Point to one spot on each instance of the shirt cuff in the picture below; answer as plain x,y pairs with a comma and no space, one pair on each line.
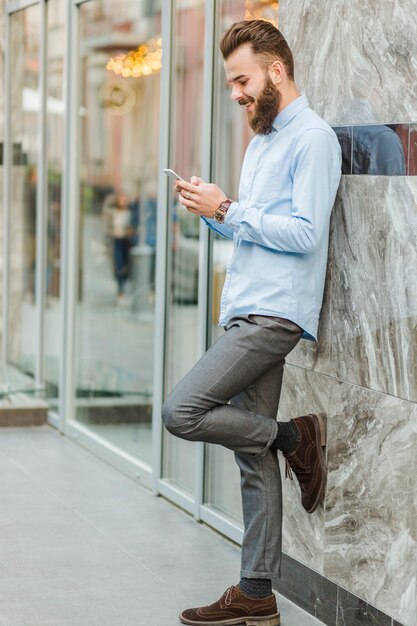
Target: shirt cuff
233,216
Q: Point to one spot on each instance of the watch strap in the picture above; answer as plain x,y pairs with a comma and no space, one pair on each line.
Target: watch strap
220,212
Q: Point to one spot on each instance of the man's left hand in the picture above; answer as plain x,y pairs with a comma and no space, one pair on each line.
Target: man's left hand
199,197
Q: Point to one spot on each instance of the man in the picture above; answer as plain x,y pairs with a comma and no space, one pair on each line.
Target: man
271,298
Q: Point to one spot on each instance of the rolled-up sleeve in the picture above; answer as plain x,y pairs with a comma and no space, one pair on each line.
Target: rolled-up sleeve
222,229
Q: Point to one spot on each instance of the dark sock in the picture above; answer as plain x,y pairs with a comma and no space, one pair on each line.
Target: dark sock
287,438
256,588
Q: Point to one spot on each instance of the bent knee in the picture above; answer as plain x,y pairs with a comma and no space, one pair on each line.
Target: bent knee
180,420
173,415
169,415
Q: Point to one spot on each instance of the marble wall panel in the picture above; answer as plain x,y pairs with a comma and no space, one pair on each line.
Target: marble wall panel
316,356
352,611
373,257
303,392
356,63
317,595
354,60
370,532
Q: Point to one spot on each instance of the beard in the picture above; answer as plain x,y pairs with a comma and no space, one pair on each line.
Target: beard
266,108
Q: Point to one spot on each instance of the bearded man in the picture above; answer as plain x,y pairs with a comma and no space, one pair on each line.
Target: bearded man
272,297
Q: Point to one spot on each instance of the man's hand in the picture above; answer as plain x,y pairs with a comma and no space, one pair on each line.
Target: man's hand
199,197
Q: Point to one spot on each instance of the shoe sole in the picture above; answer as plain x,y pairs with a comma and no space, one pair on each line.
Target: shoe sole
270,620
320,428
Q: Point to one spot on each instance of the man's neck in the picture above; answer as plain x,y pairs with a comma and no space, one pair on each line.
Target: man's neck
288,96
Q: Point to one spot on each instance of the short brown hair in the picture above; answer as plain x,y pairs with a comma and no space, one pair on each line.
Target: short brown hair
265,39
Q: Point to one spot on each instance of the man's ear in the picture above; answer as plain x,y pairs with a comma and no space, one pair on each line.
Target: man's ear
276,71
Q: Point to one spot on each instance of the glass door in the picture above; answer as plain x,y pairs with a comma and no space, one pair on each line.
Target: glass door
25,105
231,137
184,246
120,62
55,132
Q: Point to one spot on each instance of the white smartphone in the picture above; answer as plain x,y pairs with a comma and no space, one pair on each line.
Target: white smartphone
173,174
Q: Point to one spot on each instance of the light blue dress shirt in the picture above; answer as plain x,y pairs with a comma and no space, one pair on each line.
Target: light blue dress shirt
280,224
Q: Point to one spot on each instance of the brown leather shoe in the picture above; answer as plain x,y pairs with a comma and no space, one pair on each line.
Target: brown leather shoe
307,460
234,607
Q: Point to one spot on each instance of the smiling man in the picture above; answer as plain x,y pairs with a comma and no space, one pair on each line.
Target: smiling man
271,298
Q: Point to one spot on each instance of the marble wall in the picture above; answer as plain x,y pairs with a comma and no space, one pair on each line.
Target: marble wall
356,62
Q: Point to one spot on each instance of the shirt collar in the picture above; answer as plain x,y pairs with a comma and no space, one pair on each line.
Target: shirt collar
291,110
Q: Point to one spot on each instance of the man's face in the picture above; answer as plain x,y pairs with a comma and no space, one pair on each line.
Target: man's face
252,88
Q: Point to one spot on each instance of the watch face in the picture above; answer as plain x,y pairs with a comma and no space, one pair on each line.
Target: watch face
219,215
221,211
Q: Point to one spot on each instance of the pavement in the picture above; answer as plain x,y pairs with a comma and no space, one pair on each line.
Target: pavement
81,544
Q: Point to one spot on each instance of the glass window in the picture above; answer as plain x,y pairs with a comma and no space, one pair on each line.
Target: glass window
25,102
412,159
55,128
120,62
231,137
182,316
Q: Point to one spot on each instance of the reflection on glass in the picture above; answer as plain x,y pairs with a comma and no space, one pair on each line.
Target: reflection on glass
54,150
232,135
412,158
24,181
222,490
373,149
344,135
119,170
182,335
403,132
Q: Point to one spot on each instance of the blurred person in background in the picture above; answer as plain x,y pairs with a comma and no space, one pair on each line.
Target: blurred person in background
120,232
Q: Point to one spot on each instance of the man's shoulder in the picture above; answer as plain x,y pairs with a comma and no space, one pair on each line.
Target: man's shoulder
313,135
311,129
310,120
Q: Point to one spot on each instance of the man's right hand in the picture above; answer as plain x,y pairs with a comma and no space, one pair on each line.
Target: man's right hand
194,180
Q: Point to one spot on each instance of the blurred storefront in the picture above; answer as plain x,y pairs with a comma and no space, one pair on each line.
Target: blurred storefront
111,289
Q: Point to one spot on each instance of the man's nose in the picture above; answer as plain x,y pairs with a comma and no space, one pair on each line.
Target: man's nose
236,93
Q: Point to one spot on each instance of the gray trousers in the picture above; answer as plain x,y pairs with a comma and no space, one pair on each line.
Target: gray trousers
230,397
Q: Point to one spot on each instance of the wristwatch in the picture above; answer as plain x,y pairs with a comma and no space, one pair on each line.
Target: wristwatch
220,212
